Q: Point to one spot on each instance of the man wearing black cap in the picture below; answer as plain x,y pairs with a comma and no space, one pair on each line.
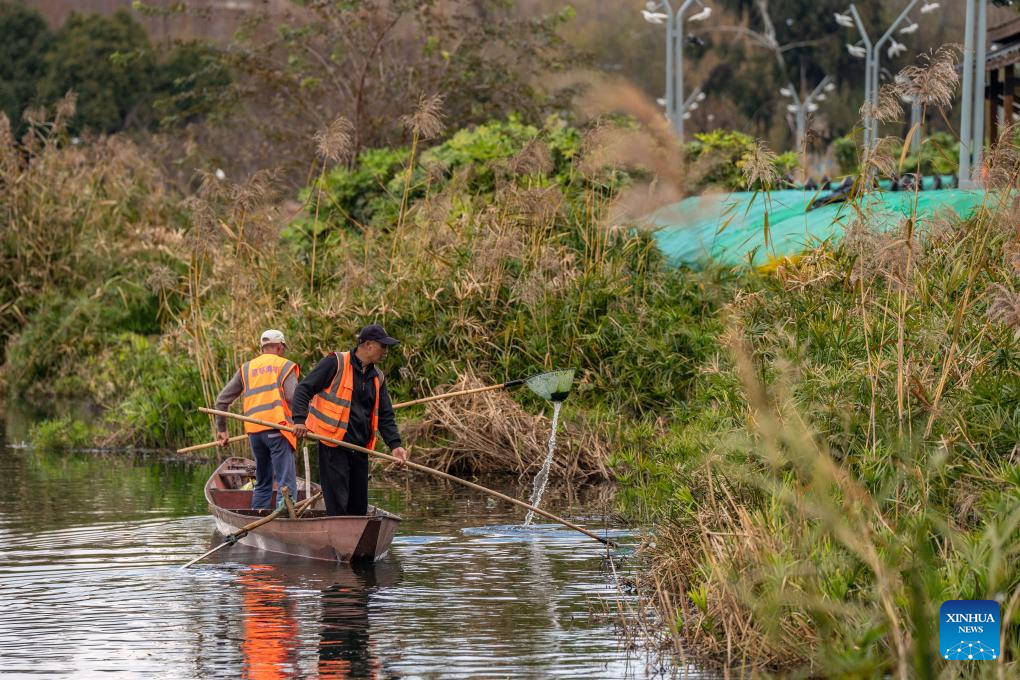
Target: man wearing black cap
345,398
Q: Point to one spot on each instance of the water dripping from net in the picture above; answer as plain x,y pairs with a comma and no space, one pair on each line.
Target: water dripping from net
542,478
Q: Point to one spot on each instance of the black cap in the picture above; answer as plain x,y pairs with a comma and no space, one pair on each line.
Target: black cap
376,332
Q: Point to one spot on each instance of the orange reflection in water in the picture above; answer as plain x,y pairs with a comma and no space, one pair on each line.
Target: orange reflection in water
270,642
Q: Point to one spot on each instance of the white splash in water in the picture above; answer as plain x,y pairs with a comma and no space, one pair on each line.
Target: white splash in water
542,478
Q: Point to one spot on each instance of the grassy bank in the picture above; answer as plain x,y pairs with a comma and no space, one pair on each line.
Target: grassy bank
848,460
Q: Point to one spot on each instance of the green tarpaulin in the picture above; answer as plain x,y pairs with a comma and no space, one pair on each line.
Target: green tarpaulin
730,228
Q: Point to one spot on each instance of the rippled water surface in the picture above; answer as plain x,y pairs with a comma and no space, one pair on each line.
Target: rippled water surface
91,545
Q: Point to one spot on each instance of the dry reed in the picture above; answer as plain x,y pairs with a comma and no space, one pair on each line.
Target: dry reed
492,432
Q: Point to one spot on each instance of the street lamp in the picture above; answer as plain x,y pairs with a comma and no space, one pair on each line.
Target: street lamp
661,12
801,108
693,101
690,105
872,53
972,118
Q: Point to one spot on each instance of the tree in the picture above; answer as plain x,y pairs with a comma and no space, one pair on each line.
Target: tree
24,40
191,83
369,60
109,63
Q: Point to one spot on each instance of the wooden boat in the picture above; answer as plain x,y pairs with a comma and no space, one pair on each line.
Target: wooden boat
314,535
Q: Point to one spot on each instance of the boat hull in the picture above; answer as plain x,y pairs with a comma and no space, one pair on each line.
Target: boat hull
318,537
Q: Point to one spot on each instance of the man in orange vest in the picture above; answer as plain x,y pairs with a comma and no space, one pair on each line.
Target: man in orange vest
267,384
345,397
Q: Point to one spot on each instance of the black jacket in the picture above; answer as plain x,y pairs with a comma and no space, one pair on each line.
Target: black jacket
359,429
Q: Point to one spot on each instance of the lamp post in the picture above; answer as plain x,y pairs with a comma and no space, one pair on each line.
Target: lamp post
809,105
972,114
661,12
872,52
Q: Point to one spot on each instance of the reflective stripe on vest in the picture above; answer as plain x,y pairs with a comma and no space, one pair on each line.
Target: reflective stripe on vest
264,397
329,411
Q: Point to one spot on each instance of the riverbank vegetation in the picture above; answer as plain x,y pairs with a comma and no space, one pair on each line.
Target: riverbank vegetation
849,456
493,252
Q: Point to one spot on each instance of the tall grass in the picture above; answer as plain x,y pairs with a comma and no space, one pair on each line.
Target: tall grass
84,224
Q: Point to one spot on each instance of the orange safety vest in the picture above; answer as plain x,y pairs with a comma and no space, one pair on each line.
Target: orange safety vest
264,398
330,410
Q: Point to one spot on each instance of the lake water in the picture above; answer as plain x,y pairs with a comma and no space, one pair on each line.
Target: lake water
91,545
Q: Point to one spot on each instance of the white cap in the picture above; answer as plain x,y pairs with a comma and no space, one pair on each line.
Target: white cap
271,336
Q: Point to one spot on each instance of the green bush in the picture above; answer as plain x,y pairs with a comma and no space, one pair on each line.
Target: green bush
192,83
152,393
847,155
718,153
76,325
61,434
120,78
718,156
354,197
940,155
370,191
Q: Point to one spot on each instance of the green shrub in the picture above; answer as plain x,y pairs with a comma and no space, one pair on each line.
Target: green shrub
66,326
940,155
153,394
370,191
61,434
192,83
847,155
718,157
718,153
352,197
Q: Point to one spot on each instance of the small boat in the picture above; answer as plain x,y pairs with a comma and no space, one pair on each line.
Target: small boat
314,535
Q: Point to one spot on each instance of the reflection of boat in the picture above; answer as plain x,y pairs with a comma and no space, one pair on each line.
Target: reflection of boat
345,648
276,630
314,535
270,643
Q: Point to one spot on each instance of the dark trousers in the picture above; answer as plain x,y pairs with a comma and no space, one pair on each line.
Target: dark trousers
343,475
273,458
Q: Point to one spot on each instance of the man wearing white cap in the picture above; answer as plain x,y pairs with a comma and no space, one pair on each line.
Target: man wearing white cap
267,384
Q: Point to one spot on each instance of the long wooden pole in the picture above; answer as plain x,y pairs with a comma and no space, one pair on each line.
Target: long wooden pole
209,445
403,404
458,393
416,466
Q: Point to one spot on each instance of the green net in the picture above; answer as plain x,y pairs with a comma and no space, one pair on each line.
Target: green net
552,386
731,228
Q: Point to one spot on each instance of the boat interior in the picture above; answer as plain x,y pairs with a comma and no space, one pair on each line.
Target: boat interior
230,490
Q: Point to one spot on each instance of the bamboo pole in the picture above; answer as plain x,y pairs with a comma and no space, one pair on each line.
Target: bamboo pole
209,445
413,402
420,468
447,395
